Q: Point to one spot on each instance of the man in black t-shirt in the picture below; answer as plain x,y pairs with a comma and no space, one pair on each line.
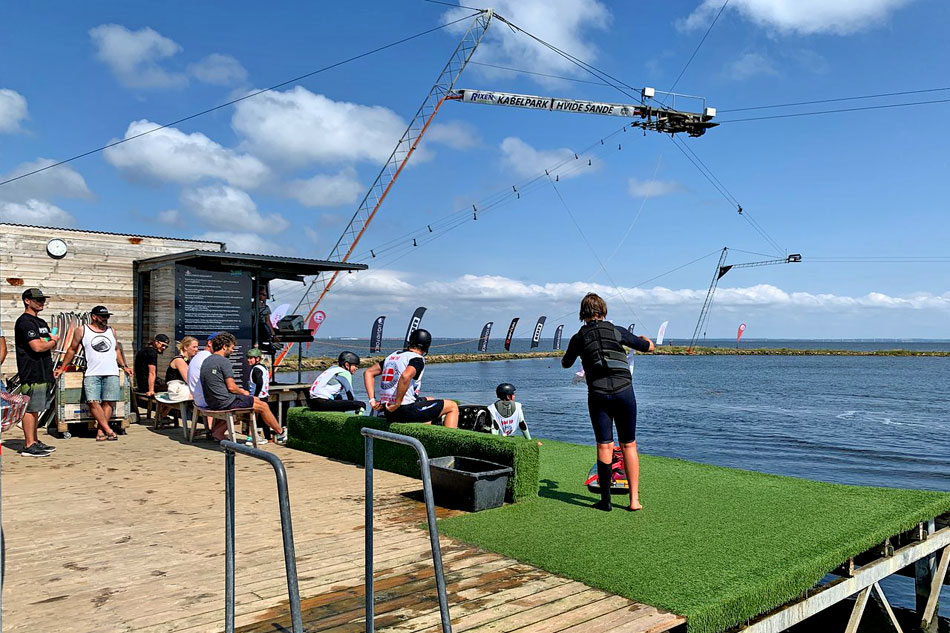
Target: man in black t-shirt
147,380
34,362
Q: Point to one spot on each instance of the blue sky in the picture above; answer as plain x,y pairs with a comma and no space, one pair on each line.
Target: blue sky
284,171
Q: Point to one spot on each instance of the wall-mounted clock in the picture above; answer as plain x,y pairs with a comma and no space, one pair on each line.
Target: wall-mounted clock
56,248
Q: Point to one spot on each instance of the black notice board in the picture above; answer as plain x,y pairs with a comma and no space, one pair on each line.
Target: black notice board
209,301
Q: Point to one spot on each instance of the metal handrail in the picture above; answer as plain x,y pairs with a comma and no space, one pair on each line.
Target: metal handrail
283,497
370,435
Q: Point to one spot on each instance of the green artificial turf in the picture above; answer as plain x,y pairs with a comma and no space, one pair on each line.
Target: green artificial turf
718,545
337,435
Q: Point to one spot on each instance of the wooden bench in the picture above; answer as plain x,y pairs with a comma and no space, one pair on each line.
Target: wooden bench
229,416
140,400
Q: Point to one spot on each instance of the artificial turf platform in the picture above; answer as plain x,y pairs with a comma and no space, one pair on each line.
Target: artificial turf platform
717,545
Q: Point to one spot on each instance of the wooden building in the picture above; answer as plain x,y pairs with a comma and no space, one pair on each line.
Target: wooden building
96,268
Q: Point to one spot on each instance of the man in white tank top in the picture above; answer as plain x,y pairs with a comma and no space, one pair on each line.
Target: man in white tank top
104,359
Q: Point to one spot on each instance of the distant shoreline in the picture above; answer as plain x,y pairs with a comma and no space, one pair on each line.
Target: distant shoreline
321,362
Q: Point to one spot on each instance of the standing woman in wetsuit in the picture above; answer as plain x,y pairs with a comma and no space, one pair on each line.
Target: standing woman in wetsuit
610,399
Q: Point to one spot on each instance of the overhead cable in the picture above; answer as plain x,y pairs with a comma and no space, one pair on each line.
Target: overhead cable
801,103
233,101
698,46
799,114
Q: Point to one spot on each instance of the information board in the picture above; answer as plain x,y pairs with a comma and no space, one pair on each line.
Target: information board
209,301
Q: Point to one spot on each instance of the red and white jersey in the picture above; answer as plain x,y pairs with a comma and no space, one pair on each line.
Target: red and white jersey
507,425
393,367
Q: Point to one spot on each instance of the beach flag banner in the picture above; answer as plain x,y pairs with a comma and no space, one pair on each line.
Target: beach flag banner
279,313
318,318
511,333
536,337
376,335
483,337
414,323
739,335
557,336
661,333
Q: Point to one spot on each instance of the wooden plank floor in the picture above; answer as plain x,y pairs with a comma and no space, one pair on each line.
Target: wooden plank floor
129,536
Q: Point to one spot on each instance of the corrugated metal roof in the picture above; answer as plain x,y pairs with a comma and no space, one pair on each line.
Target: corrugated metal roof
294,265
152,237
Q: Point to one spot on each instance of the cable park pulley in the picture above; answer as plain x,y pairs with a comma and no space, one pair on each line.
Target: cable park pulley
649,116
721,269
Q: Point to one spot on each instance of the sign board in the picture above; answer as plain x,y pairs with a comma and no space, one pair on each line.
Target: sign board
215,301
490,97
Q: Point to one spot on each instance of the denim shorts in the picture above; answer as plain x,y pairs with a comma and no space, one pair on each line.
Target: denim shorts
101,388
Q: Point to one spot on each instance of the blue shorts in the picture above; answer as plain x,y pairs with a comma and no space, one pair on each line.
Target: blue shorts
101,388
39,393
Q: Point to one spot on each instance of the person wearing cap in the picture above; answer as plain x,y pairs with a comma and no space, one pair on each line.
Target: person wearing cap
34,343
147,380
333,388
104,359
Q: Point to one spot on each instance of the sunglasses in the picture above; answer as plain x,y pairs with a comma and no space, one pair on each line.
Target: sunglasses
40,301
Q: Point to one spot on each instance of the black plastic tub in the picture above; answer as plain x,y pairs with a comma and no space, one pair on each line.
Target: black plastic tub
465,483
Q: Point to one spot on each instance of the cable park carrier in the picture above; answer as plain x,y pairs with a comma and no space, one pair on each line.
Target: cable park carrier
649,114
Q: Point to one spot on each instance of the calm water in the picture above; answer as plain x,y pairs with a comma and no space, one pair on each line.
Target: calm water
881,421
332,347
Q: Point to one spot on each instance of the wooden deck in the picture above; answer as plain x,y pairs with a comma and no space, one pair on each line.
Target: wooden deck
129,536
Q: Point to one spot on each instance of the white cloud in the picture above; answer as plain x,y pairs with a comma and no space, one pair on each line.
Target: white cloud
299,127
566,24
326,190
750,65
525,160
653,188
238,242
58,182
804,17
13,110
223,206
134,56
171,217
37,212
218,70
454,134
170,155
484,289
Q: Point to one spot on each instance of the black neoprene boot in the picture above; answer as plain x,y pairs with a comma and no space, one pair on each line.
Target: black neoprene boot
604,479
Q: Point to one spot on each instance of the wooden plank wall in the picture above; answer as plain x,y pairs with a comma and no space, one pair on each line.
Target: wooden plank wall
97,269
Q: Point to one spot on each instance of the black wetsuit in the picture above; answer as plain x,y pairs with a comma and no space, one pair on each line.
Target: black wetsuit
610,398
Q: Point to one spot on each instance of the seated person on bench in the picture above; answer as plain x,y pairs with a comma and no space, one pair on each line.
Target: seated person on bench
222,393
258,382
400,380
328,390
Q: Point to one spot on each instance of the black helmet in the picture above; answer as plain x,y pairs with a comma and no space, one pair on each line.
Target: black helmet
348,357
421,340
504,390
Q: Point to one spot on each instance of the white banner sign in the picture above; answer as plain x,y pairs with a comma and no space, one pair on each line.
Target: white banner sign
550,103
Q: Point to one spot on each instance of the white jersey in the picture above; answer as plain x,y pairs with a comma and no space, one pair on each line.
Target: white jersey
99,348
393,367
332,384
194,378
259,373
502,425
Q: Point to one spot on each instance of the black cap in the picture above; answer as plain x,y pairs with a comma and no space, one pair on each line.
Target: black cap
101,311
161,338
34,293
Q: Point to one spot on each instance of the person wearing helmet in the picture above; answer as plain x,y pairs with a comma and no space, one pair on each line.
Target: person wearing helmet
399,384
610,398
506,414
333,389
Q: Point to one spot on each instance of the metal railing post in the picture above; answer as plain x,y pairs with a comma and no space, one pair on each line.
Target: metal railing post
370,435
287,532
229,541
